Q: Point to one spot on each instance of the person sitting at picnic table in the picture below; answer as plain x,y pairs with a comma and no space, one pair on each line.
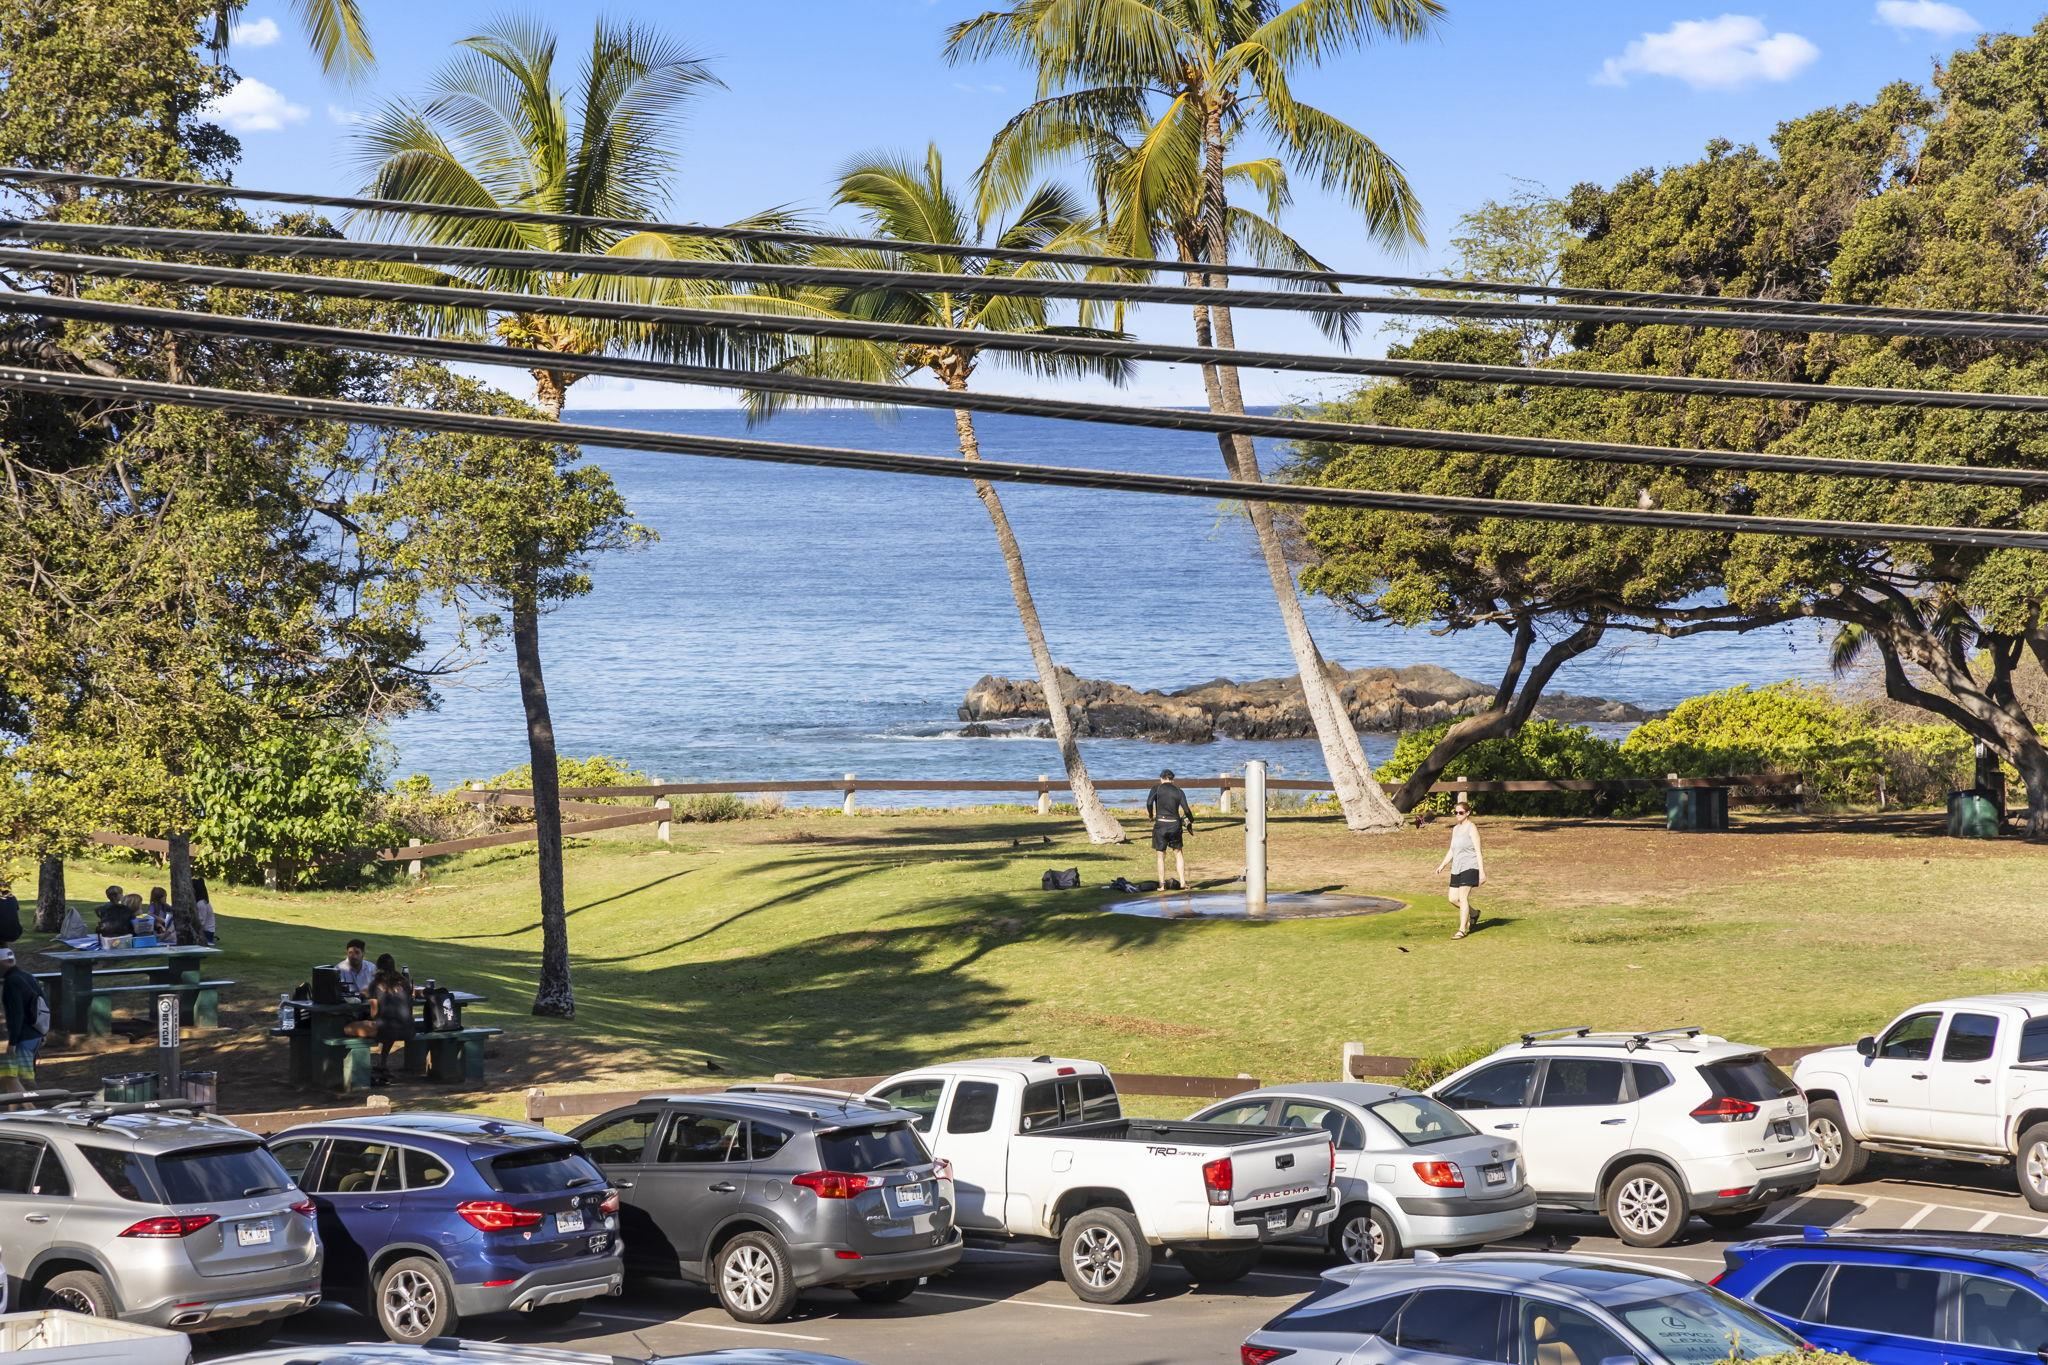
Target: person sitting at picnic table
132,903
160,917
116,918
390,999
356,973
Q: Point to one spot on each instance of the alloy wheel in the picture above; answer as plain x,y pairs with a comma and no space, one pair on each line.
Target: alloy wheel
1362,1240
411,1303
2037,1167
1099,1257
749,1278
71,1301
1643,1206
1828,1139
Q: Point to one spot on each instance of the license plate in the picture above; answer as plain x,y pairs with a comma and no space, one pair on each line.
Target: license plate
1277,1220
252,1234
913,1197
1496,1175
572,1221
1782,1131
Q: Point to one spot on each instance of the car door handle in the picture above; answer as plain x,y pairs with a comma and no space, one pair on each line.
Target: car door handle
1980,1080
38,1218
1505,1127
376,1206
1919,1075
1609,1123
622,1184
724,1187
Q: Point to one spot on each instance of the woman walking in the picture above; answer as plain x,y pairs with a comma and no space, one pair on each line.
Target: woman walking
1467,864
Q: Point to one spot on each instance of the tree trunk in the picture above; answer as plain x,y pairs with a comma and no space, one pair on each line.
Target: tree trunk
550,392
182,914
50,894
554,995
1102,827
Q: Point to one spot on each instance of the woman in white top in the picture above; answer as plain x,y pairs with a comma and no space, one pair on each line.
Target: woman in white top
1467,864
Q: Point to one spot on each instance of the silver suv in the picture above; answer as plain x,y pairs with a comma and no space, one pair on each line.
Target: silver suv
155,1215
761,1191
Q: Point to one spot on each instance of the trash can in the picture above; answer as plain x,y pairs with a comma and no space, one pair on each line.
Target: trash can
1695,809
131,1087
1974,814
201,1089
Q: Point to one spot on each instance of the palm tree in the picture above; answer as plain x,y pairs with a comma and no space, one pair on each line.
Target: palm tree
1189,78
498,130
906,201
334,30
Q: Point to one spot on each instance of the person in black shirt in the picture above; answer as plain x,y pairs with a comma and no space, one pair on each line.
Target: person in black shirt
10,914
1171,814
115,917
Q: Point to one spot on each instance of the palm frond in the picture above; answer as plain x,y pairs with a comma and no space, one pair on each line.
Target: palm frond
1050,130
1312,30
1262,242
1347,163
336,33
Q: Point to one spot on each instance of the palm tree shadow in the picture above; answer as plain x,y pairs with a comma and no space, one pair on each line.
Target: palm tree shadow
576,910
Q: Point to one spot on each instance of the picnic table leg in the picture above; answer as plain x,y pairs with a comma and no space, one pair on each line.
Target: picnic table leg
187,971
472,1059
300,1066
76,996
206,1008
99,1021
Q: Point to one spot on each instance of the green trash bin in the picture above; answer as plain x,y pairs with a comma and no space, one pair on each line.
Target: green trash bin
1695,809
1974,814
131,1087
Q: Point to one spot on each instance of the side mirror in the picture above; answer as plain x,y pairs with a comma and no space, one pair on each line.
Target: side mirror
1866,1046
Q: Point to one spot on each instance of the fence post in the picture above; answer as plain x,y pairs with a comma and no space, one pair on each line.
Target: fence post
1044,794
1255,836
1223,795
1344,1062
848,807
413,868
661,830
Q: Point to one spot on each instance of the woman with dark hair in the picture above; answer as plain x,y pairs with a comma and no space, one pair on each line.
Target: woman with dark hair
202,910
390,1001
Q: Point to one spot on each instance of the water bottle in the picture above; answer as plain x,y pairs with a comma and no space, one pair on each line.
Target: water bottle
287,1017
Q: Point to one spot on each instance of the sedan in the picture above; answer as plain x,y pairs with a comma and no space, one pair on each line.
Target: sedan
1411,1172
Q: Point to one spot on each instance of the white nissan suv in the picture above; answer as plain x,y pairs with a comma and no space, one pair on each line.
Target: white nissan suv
1645,1128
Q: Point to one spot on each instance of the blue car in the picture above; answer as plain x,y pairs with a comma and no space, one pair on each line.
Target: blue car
428,1219
1902,1298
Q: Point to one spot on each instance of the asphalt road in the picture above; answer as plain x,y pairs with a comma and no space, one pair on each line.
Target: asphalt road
1006,1305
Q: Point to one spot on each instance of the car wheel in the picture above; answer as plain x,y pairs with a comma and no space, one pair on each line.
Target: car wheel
1363,1233
1842,1157
889,1291
1734,1221
1645,1206
1103,1256
556,1314
751,1276
413,1301
80,1291
1218,1267
2033,1166
249,1337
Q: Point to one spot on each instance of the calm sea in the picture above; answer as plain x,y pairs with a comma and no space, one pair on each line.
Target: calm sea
800,623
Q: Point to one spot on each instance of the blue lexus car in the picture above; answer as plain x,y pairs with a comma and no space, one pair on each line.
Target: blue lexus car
428,1219
1902,1298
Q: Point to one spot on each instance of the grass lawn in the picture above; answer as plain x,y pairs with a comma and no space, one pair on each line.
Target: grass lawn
819,944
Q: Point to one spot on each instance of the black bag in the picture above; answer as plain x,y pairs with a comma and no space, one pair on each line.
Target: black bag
441,1016
1055,880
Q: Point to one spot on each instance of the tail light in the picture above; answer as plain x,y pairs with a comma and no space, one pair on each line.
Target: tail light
1217,1178
1249,1354
173,1225
610,1206
1441,1175
306,1208
1718,1278
490,1215
833,1184
1725,1109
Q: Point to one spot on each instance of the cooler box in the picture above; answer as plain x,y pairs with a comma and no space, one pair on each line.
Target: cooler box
130,1087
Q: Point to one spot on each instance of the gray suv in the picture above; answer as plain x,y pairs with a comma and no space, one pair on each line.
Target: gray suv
761,1191
154,1215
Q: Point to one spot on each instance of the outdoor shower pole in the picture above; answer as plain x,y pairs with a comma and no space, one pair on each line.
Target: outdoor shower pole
1255,835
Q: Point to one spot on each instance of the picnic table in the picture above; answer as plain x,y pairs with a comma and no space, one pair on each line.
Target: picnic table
86,994
323,1055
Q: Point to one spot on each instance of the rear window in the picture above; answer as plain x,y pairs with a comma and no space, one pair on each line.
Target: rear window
212,1175
1748,1078
886,1147
126,1174
1419,1120
1071,1099
2034,1040
540,1170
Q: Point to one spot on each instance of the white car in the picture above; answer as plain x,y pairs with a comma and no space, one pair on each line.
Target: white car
1644,1128
1411,1173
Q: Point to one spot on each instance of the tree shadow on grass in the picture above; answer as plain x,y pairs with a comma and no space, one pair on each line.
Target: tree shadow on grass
576,909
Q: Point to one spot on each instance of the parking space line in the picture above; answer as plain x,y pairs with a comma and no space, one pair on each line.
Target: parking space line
644,1321
1033,1303
1926,1212
1986,1221
1048,1256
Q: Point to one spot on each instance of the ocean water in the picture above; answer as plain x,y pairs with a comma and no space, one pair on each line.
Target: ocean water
806,623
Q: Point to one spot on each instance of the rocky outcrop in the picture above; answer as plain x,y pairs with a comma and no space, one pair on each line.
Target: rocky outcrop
1384,700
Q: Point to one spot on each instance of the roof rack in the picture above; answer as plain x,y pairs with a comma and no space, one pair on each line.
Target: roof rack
95,1112
845,1099
1535,1036
1627,1040
41,1099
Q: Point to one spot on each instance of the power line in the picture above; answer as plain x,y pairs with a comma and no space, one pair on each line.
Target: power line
1325,278
914,334
773,381
291,407
640,267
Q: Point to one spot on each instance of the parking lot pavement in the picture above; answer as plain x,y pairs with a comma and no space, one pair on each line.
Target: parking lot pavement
1006,1304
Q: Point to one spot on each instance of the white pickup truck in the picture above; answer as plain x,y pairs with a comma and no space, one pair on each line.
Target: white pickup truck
1955,1080
1040,1148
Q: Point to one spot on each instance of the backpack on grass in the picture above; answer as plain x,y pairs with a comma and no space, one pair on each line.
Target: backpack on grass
1056,880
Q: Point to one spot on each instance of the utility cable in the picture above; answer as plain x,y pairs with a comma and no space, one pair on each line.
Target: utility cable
292,407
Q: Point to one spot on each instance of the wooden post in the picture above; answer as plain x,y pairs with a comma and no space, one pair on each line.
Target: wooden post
414,869
1223,795
661,830
1044,794
1344,1062
848,807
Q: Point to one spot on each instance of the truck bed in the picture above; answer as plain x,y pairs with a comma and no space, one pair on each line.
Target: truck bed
1169,1133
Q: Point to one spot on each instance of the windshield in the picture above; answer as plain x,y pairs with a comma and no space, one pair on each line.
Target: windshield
213,1175
1419,1120
1703,1326
542,1170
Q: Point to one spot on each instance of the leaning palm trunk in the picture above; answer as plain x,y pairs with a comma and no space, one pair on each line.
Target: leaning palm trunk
1102,827
555,995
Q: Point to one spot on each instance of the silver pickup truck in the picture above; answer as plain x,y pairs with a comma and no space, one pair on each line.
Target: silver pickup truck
1040,1149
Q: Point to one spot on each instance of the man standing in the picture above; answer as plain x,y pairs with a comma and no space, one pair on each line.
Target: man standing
28,1017
1168,806
10,914
356,973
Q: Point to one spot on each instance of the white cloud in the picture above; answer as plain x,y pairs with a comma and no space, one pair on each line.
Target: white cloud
254,32
1929,16
1712,54
253,107
346,117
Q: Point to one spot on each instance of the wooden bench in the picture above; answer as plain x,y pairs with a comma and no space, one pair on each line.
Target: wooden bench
449,1055
356,1065
204,999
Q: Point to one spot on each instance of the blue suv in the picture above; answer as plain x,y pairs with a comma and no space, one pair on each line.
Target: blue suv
428,1219
1902,1298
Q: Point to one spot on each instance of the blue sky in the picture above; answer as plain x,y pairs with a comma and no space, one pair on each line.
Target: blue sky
1557,93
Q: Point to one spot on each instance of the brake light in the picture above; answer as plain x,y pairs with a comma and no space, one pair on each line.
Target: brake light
1725,1109
833,1184
1217,1177
491,1215
1064,1071
1249,1354
173,1225
1441,1175
307,1208
1718,1278
610,1204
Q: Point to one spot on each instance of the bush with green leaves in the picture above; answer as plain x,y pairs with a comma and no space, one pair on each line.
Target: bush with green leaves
1542,748
293,804
417,811
1427,1071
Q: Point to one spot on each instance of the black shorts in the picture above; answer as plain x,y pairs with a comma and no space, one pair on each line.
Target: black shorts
1165,837
1470,878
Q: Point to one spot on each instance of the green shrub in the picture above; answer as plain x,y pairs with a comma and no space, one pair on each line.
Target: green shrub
711,808
417,811
291,803
1543,748
1427,1071
598,770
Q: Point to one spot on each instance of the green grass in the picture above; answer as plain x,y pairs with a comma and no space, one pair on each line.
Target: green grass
822,945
